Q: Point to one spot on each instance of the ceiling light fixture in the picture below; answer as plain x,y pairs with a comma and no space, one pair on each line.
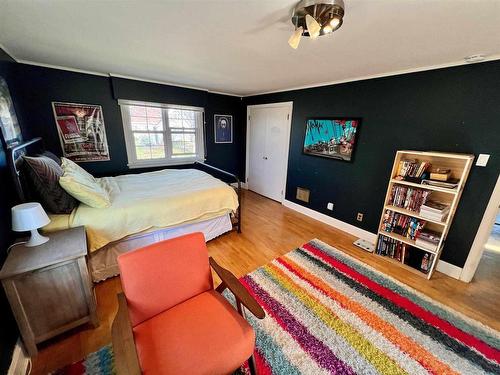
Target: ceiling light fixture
314,18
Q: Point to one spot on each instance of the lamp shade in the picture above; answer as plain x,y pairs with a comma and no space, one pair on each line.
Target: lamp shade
28,216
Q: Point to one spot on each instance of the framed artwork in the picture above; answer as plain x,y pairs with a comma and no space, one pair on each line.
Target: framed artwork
223,128
81,131
333,138
10,129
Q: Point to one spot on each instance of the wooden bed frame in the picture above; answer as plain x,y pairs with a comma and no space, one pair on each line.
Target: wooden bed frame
16,153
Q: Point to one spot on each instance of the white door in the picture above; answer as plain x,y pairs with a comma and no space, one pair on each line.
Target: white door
268,135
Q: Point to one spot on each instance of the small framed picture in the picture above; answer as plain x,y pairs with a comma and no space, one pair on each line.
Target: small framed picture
223,128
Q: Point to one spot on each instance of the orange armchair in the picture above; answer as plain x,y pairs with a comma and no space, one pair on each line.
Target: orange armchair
170,320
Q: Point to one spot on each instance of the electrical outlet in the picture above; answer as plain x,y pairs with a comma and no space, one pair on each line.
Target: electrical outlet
329,206
359,217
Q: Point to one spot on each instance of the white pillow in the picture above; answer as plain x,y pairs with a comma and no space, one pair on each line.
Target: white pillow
82,185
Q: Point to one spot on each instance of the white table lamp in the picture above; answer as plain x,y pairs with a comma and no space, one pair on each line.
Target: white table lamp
30,217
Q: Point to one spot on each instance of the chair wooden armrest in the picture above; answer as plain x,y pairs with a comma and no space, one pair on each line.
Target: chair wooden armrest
126,361
242,296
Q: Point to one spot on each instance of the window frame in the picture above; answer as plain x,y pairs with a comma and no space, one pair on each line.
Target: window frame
168,160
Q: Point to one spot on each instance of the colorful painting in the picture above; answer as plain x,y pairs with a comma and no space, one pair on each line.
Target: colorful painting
81,131
331,137
223,128
10,130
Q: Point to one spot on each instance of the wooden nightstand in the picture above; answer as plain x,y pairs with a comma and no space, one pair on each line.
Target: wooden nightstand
49,287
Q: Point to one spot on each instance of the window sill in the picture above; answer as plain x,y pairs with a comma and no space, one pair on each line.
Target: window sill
162,163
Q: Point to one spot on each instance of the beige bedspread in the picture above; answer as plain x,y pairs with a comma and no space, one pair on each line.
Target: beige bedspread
140,202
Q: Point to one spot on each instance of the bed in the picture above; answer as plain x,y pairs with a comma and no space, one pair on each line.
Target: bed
145,208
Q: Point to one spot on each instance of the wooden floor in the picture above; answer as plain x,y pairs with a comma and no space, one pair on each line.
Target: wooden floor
271,230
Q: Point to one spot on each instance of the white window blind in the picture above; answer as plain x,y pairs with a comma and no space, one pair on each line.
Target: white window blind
162,134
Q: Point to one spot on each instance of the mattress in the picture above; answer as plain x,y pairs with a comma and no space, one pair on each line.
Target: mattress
149,202
103,265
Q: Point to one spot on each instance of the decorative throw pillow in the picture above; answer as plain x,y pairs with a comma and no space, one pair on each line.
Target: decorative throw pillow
83,186
43,174
52,156
70,166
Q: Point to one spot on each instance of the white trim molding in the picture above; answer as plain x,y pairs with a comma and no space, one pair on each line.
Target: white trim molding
58,67
166,132
171,84
284,89
449,269
378,75
482,235
288,105
336,223
243,185
442,266
110,75
20,360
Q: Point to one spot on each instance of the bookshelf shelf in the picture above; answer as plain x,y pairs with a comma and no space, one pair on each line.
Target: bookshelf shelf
414,214
425,187
398,263
405,240
417,165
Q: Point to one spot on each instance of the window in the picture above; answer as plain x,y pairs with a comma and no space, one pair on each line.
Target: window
162,134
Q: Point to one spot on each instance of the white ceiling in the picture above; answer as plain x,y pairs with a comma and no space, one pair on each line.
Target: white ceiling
240,47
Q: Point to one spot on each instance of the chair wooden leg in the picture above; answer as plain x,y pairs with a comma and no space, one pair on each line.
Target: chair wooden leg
252,365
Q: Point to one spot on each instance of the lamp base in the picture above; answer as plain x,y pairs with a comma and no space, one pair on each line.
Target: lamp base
36,239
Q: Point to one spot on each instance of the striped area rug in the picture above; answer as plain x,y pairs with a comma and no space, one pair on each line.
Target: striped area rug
328,313
100,362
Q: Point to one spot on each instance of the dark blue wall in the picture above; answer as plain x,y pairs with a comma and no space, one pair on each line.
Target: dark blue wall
37,87
455,110
8,328
34,88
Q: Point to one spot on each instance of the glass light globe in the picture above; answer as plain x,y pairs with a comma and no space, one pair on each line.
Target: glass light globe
334,22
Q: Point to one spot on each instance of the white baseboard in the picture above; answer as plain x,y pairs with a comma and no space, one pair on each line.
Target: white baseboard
449,269
349,228
244,185
20,360
442,266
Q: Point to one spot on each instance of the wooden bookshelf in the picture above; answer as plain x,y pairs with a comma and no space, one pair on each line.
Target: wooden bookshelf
459,165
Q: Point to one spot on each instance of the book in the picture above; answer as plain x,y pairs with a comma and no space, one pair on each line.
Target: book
401,224
434,210
390,247
408,198
440,174
436,217
450,184
428,240
430,236
412,168
427,260
426,245
435,206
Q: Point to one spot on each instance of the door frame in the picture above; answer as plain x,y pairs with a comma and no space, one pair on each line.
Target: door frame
288,105
482,235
